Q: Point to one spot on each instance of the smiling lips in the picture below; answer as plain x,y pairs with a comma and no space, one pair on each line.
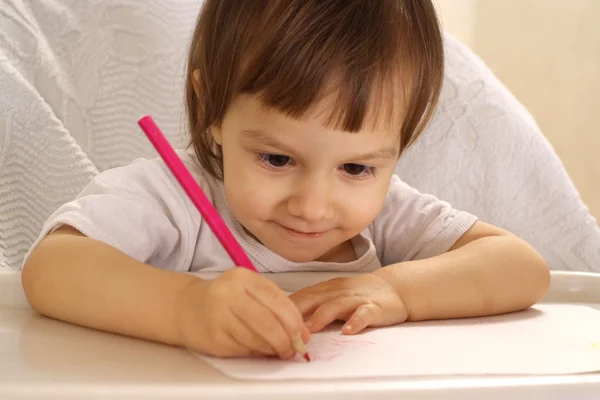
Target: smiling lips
302,234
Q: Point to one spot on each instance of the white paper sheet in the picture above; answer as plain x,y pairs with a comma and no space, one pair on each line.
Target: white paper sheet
546,339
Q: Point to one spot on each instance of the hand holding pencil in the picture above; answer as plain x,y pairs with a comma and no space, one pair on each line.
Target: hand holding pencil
240,313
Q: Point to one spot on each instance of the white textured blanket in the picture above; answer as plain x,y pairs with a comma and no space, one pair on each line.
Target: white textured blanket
76,75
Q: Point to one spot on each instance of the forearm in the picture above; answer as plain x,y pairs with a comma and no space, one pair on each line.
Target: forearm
89,283
490,275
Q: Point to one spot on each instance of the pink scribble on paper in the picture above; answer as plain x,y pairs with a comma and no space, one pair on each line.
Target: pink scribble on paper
333,345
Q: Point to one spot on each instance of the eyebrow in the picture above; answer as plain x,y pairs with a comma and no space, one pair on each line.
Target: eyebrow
262,138
383,153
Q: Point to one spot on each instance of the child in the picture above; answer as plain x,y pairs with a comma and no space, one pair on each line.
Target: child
298,111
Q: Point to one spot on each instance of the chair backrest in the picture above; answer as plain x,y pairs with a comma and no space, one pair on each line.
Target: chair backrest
75,76
484,153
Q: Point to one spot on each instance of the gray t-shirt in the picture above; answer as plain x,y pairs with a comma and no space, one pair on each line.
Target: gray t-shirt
141,210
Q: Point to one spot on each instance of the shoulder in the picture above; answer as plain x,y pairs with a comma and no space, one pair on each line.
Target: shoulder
408,207
402,194
148,178
415,225
139,209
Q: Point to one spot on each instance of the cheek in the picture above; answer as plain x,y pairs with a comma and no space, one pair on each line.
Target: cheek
242,190
248,195
364,205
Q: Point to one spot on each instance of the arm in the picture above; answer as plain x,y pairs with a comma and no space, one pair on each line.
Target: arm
487,271
83,281
87,282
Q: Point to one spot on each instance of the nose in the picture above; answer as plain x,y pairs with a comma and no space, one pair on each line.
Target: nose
311,200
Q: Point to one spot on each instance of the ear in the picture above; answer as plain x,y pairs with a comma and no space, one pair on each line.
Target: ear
217,134
196,81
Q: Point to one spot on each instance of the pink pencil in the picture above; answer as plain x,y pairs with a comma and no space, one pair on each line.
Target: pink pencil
208,212
195,193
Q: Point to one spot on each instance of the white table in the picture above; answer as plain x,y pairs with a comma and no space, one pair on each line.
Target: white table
42,358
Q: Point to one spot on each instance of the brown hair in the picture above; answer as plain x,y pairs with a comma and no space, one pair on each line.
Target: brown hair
289,52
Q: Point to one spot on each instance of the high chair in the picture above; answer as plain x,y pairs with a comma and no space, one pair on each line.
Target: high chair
75,76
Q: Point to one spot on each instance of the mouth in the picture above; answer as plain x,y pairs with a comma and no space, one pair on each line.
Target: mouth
301,233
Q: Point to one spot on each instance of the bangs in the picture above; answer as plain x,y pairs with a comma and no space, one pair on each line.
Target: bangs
366,59
352,99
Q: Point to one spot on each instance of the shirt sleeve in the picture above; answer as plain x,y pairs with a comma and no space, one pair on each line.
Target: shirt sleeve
139,209
413,226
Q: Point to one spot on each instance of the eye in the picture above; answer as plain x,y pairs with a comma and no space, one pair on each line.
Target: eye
274,160
357,169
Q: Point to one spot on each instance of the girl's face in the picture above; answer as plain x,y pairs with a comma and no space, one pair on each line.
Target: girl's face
301,189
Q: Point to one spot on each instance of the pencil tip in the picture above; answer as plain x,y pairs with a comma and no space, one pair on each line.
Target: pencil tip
306,357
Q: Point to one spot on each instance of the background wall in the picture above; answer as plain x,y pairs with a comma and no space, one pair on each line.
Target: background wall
547,52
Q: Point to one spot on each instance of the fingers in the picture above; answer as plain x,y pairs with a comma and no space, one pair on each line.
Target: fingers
264,326
327,313
307,300
365,315
256,313
305,335
249,339
283,308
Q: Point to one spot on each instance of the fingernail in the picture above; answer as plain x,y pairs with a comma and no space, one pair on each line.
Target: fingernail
347,328
309,324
